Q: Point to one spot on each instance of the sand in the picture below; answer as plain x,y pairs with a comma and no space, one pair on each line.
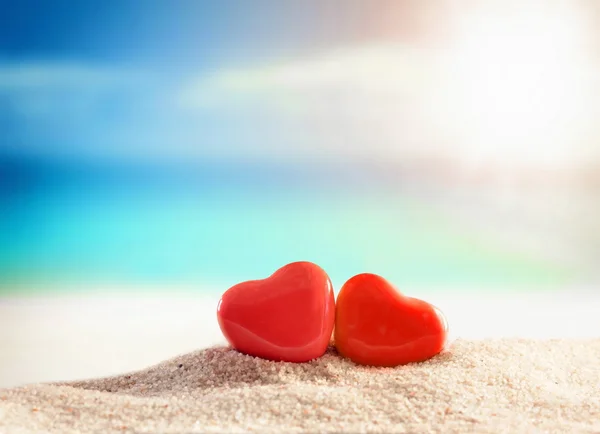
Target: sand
503,385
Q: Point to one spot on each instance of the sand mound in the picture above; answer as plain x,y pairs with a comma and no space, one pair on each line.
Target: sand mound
475,386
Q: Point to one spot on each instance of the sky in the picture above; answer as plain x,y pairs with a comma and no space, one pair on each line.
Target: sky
295,81
195,33
158,78
79,77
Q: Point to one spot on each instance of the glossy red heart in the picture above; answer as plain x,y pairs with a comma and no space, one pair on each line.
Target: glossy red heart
378,326
288,316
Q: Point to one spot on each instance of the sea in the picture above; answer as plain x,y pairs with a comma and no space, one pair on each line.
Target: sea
208,225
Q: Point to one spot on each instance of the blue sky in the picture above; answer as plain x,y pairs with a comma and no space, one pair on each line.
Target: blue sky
178,33
292,80
195,33
84,77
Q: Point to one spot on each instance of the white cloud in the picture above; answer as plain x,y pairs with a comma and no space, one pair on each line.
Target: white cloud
381,102
356,102
386,102
383,70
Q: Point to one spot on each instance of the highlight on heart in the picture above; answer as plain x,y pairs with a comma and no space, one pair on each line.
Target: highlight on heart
291,315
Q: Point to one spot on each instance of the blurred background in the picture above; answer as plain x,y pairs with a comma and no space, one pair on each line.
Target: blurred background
154,147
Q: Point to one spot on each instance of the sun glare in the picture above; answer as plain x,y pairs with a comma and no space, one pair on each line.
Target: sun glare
515,83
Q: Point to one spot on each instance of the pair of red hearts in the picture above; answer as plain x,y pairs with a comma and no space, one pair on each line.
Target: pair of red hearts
290,316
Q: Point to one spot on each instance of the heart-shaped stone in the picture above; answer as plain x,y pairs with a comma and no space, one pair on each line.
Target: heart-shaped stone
288,316
378,326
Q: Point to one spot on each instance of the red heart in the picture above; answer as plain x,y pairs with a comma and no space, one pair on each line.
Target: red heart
376,325
288,316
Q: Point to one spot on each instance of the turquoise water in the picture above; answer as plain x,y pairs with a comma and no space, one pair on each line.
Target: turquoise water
217,233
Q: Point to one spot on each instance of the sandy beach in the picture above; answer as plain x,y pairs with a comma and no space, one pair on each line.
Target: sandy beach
525,363
509,385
